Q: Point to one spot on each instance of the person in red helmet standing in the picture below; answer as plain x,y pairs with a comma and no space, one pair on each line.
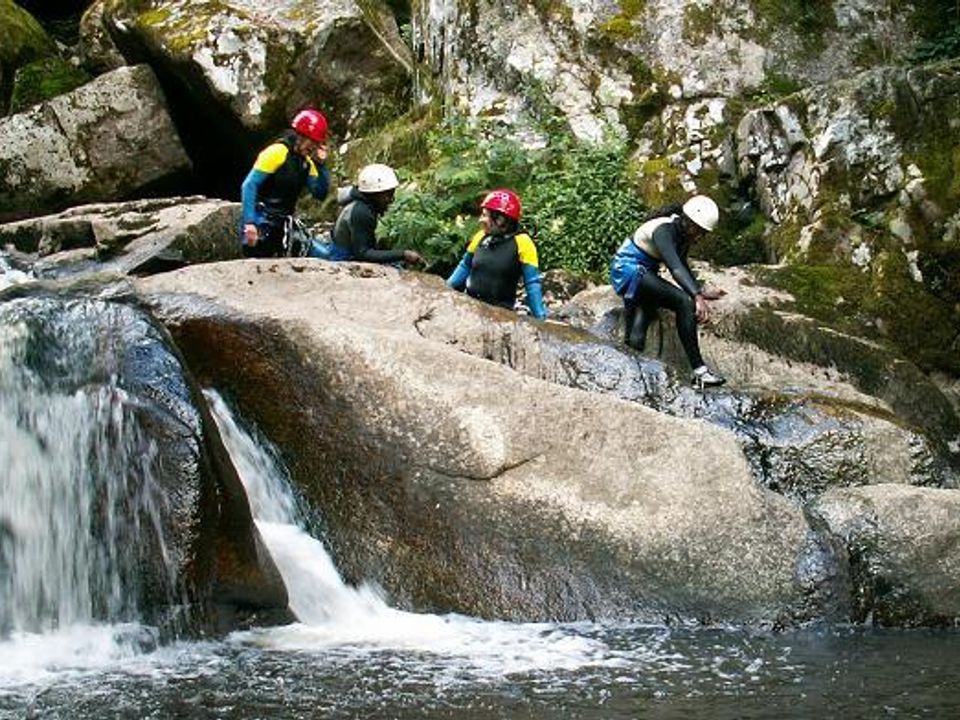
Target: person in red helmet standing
296,160
498,255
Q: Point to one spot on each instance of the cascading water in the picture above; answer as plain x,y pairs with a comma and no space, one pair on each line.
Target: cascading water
333,614
82,512
81,504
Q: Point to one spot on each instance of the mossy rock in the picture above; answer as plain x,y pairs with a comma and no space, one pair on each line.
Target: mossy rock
44,79
885,305
22,40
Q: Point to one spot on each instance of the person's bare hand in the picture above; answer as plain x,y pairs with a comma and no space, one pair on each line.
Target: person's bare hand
320,154
250,234
412,257
713,293
703,309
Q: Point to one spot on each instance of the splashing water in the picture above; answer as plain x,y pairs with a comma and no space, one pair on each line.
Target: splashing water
79,493
335,615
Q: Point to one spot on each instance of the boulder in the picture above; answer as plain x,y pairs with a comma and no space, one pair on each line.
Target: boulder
488,490
904,550
111,139
136,237
237,71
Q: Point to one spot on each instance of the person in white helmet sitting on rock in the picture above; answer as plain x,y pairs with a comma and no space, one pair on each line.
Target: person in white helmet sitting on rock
634,274
353,236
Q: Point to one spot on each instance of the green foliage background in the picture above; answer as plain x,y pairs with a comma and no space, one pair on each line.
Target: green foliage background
578,201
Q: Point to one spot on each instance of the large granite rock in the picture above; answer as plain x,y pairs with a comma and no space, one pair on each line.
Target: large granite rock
251,65
111,139
469,485
476,489
904,549
616,65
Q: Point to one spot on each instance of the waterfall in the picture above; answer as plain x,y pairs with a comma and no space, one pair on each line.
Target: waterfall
333,614
317,592
79,500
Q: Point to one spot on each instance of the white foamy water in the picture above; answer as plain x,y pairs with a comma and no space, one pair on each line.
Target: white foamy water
35,657
335,615
9,276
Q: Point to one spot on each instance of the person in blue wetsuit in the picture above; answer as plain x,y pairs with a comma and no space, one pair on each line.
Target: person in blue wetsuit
634,274
498,255
282,170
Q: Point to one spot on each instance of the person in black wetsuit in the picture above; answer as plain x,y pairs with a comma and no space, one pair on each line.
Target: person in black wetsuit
354,234
498,255
282,170
634,274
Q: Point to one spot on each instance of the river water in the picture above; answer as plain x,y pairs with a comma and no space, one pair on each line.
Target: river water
353,656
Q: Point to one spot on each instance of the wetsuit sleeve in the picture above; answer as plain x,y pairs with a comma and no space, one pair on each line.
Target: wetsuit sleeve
363,240
665,240
458,279
532,283
318,180
248,194
534,287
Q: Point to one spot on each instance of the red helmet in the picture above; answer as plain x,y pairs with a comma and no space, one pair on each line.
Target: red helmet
505,201
312,124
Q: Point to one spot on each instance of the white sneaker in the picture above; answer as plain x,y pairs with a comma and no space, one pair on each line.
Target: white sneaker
705,377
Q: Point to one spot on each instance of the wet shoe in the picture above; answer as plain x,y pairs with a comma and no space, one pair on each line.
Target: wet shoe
705,377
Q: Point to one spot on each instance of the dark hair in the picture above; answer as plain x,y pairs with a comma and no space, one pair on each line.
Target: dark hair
511,226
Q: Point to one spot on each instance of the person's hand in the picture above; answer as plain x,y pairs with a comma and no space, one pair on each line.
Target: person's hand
713,293
412,257
320,154
250,234
703,310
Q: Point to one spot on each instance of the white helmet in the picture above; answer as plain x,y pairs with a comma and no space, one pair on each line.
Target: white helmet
703,211
377,178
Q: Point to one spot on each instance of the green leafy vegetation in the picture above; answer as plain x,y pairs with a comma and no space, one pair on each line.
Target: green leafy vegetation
938,22
578,201
941,47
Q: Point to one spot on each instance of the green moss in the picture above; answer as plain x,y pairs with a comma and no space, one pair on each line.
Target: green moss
658,182
22,39
699,23
883,303
622,26
44,79
809,19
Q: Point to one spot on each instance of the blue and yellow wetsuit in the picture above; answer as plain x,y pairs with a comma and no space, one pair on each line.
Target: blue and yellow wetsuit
492,266
270,191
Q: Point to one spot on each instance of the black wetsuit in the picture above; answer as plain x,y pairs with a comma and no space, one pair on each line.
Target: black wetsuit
355,230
